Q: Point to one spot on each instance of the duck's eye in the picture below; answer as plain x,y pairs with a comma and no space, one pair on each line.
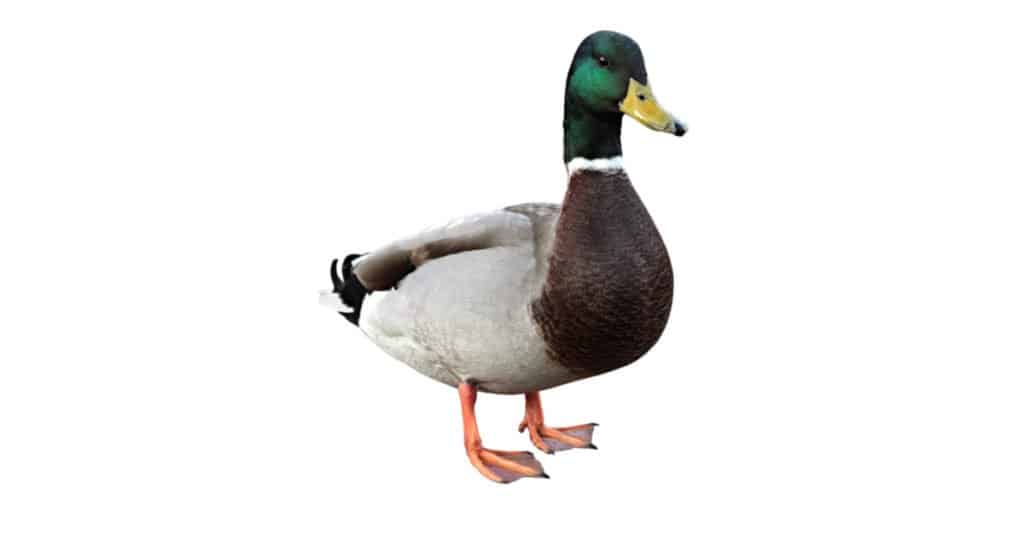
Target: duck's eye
603,61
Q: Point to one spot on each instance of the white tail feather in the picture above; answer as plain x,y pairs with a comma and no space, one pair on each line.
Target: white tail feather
333,301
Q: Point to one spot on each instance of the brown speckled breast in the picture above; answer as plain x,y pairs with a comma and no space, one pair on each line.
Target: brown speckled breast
608,291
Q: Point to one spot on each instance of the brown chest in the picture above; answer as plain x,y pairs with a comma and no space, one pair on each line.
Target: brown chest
608,291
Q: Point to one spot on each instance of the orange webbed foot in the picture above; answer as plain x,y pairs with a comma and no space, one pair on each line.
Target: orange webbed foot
552,439
496,465
504,466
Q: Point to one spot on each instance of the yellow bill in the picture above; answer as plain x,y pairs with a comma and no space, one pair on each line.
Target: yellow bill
641,105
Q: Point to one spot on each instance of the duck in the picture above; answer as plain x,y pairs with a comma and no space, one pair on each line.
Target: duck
531,296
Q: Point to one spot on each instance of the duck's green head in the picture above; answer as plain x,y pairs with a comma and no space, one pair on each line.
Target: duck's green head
607,79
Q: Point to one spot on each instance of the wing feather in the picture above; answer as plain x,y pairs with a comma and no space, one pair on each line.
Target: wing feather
384,268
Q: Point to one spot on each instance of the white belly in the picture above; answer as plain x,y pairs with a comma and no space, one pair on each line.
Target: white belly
454,321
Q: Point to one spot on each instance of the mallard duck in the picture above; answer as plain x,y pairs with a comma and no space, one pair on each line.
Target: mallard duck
532,296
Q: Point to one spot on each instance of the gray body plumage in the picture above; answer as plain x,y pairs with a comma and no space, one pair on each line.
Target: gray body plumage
453,302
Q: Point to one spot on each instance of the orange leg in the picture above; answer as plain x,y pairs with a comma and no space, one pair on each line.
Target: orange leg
496,465
552,439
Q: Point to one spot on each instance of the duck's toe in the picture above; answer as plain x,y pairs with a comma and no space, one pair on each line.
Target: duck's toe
552,439
505,466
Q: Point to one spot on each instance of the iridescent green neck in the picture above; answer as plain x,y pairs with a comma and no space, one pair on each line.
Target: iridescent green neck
589,134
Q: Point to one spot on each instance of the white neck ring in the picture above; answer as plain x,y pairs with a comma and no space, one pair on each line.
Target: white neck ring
602,165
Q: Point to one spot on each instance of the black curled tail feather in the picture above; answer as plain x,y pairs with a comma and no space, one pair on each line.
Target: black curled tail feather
348,288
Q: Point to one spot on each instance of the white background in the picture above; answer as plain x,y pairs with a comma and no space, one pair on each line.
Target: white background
845,221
